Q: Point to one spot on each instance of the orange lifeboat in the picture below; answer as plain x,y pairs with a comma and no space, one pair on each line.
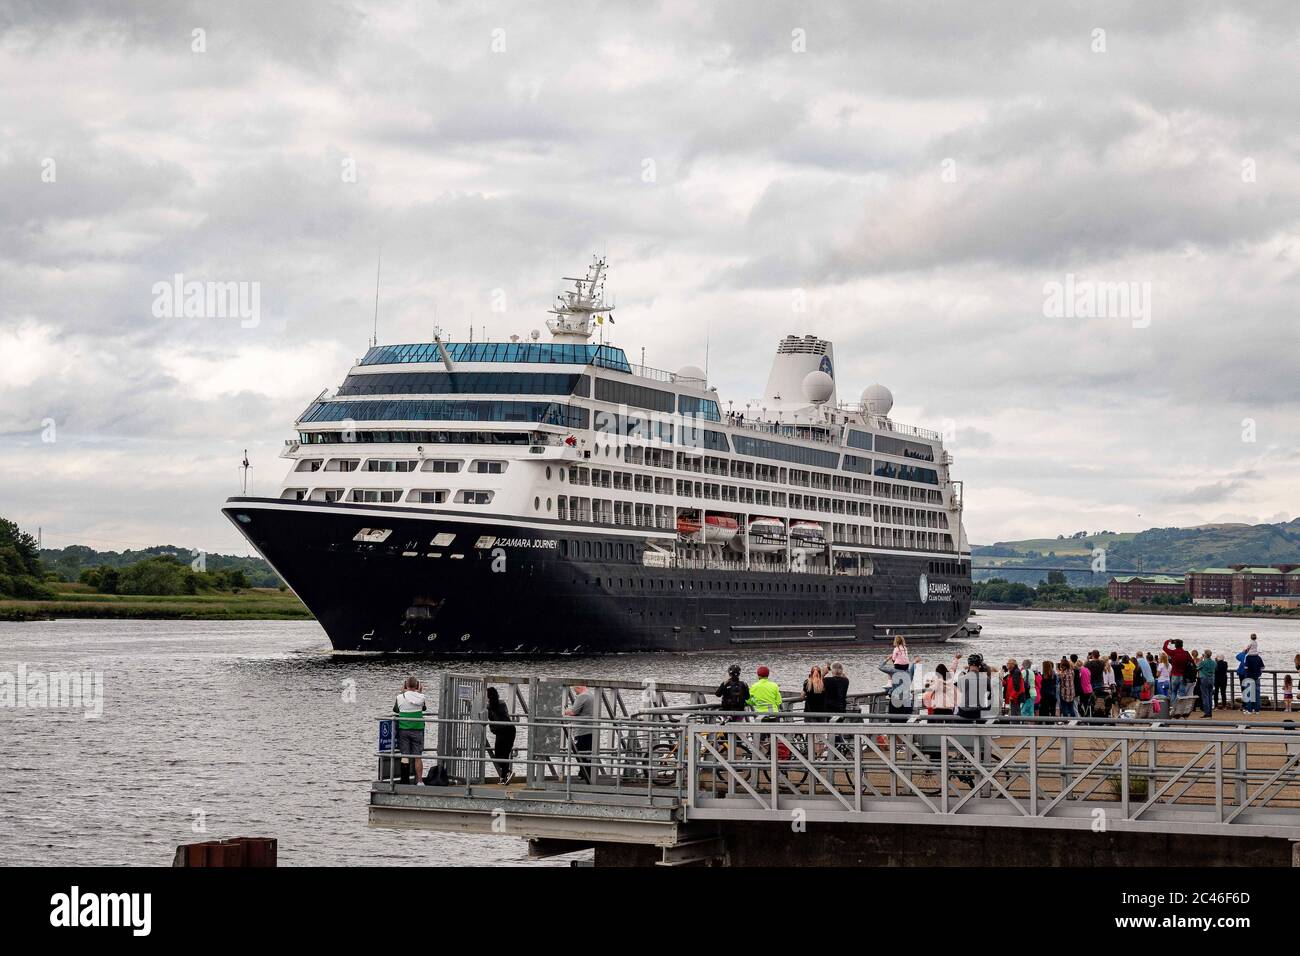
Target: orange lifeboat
719,529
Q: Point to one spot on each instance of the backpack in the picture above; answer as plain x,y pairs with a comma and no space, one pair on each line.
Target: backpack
436,777
734,696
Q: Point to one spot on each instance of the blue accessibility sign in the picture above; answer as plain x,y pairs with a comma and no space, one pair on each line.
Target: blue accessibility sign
386,736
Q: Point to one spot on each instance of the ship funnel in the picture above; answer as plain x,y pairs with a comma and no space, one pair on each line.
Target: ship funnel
789,388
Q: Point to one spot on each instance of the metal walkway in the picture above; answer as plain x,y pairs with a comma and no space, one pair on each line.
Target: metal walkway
669,775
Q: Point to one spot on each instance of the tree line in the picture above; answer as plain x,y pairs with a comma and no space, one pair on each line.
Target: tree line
26,572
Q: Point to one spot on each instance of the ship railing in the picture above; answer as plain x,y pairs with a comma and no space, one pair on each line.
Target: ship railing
1209,777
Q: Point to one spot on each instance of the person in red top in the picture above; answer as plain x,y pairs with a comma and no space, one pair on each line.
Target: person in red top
1178,659
1014,688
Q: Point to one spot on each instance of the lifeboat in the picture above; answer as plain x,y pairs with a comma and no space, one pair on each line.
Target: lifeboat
807,534
766,535
719,529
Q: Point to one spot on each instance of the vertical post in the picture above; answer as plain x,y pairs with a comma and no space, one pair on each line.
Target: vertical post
689,731
943,772
1218,780
1033,771
1242,762
1151,768
857,771
1123,777
771,751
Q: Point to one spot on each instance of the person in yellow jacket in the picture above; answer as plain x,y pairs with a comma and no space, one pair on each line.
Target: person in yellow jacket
764,694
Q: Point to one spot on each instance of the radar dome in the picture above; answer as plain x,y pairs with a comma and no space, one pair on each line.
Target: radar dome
818,387
690,372
877,400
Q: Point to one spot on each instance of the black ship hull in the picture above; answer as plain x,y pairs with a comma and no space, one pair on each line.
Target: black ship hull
457,584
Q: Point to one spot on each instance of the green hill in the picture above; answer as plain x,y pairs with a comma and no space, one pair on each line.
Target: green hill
1166,549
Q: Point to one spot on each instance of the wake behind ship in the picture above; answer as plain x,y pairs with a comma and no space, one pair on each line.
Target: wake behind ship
528,497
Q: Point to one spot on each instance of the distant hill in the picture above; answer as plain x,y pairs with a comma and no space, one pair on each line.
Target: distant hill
1173,549
69,562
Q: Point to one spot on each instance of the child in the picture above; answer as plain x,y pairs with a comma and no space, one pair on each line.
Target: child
900,656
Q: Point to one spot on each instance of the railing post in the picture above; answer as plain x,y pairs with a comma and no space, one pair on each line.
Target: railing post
1218,780
691,782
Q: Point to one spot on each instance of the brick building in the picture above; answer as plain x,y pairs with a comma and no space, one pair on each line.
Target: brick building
1243,584
1210,585
1249,583
1143,587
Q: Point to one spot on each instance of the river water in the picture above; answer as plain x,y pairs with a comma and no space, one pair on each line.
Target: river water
253,728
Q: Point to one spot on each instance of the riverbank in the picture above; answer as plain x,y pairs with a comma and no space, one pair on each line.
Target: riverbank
1164,610
251,604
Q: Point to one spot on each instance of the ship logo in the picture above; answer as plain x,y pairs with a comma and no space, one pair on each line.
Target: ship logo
924,588
825,366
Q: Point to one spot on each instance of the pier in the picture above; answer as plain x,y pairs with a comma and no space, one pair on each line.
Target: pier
671,781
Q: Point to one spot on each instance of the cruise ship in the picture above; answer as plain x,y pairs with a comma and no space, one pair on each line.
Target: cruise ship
549,497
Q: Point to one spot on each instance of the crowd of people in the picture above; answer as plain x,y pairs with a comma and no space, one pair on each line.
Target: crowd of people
1095,686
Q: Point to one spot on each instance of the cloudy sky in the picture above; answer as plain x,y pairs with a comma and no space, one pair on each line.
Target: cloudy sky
906,179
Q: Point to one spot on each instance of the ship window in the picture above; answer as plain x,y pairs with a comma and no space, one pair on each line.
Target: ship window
548,472
548,504
428,496
309,464
390,464
637,396
484,467
551,413
343,464
376,495
561,474
472,497
448,465
294,494
326,494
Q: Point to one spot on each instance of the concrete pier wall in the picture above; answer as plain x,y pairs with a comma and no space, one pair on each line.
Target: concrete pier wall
853,844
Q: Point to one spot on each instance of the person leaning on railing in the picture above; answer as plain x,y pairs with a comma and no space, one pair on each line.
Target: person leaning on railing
764,694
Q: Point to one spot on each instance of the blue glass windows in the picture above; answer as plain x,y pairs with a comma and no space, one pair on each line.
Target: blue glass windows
605,356
466,383
705,408
762,448
636,396
550,413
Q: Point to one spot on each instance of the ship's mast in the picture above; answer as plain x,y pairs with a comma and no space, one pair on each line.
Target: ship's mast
575,311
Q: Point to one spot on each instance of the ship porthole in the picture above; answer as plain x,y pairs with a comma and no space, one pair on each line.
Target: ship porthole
548,504
537,504
548,472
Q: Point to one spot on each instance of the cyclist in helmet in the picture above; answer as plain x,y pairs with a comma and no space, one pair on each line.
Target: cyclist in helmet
733,692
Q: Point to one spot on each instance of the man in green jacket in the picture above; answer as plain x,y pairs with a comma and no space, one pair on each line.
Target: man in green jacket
764,694
1205,671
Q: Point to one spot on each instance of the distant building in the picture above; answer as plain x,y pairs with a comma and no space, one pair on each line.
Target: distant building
1210,585
1250,583
1243,584
1279,600
1143,587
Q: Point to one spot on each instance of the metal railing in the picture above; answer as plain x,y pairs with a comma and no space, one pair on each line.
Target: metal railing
1210,777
